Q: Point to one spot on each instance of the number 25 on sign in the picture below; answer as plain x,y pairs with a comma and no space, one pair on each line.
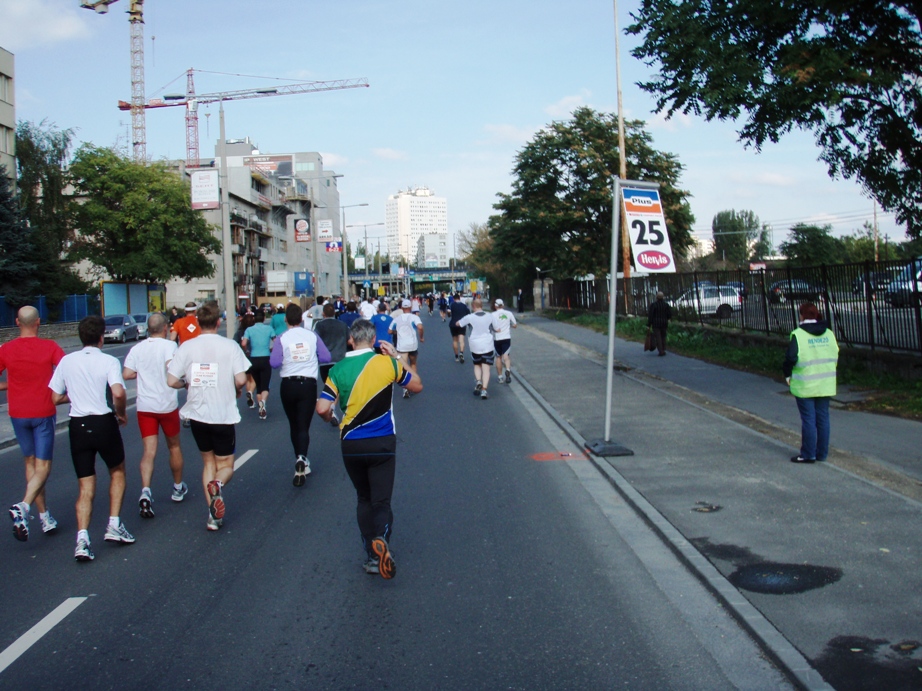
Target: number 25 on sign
647,228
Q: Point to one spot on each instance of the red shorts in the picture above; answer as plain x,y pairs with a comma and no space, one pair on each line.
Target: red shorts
150,422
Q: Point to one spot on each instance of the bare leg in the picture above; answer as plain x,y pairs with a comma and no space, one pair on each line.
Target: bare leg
220,468
116,488
85,501
176,459
149,451
37,472
485,373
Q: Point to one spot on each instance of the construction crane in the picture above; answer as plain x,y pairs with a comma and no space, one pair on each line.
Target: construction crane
136,23
192,102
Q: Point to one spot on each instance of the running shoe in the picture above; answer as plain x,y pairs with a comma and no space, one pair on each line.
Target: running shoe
83,551
371,565
406,394
179,493
334,421
186,422
302,470
456,356
262,411
461,358
20,521
386,566
250,402
144,505
483,395
216,505
213,524
119,534
478,388
508,376
48,523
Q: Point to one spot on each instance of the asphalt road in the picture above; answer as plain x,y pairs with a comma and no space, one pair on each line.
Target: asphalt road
512,572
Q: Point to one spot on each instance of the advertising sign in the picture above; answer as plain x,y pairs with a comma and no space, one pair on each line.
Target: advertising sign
302,231
646,225
205,193
325,229
335,246
282,165
360,264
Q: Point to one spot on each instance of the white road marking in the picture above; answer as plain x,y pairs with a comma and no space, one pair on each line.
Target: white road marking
243,458
32,636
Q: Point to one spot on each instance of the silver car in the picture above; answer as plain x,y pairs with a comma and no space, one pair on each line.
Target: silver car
141,319
121,328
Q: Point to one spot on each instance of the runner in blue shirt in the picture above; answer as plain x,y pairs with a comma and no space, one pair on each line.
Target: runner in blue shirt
259,338
382,321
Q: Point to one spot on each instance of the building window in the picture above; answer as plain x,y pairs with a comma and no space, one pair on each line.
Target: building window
6,88
7,141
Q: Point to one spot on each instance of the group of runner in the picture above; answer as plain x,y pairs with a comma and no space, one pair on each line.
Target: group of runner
189,353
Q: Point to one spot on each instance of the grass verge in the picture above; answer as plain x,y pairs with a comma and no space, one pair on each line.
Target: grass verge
886,393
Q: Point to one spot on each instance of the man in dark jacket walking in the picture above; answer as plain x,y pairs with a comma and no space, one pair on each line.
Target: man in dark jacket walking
658,316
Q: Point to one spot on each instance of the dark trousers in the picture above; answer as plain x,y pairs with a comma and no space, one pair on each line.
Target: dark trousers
659,338
371,464
299,398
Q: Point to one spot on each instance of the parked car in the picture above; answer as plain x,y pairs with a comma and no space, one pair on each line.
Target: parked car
719,301
904,289
740,286
793,289
121,328
871,282
141,319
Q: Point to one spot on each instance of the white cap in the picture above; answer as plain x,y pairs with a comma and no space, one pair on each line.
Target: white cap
280,306
406,303
499,301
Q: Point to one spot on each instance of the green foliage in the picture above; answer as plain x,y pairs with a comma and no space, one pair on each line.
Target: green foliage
809,245
733,231
763,249
17,272
136,221
559,214
849,72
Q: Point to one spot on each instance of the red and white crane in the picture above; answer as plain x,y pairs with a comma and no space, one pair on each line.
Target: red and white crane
192,101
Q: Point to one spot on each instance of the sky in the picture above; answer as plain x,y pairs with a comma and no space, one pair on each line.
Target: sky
456,90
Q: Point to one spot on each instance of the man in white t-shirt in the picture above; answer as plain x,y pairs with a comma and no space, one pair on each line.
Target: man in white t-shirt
157,406
214,370
368,309
409,330
503,322
481,342
81,379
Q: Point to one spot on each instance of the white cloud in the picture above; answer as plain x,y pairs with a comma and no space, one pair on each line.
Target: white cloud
660,122
333,160
565,106
34,23
390,154
509,134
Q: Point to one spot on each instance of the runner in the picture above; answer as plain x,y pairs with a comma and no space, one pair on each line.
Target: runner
382,321
298,352
214,369
335,336
278,323
363,383
350,315
481,346
157,408
258,338
367,309
81,379
187,327
458,311
409,331
30,362
503,322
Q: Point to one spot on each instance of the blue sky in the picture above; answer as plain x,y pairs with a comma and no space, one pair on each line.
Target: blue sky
456,90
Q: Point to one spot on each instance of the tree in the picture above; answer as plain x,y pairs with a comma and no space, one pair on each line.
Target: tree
41,157
136,222
809,245
849,72
17,272
762,249
859,247
733,231
559,214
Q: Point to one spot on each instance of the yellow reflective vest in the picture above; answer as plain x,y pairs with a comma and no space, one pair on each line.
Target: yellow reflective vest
814,375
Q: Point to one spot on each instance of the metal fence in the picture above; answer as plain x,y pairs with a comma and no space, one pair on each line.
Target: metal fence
870,304
72,309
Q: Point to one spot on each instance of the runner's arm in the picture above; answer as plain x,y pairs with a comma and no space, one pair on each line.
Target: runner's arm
240,379
128,373
119,401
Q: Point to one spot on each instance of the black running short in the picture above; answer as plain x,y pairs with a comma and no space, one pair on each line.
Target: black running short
457,330
502,346
221,440
91,435
482,358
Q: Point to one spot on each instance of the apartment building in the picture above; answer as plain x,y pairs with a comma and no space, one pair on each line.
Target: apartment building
7,113
432,251
409,215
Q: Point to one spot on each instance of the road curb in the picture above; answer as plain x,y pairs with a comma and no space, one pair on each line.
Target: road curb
767,636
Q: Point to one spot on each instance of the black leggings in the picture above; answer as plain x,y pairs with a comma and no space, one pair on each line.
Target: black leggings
370,464
299,398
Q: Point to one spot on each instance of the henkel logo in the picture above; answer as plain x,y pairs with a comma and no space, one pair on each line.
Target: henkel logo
651,259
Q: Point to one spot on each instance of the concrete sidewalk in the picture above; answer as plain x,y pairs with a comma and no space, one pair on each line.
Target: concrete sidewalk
827,554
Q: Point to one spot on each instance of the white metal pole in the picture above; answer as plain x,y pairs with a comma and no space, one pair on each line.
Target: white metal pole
612,302
230,299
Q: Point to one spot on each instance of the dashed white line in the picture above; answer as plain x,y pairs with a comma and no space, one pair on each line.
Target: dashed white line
244,457
32,636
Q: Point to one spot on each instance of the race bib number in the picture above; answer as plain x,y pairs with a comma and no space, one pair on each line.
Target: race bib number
191,328
300,352
204,375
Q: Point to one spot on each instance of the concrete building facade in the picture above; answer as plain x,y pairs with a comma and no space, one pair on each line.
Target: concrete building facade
7,113
409,215
432,251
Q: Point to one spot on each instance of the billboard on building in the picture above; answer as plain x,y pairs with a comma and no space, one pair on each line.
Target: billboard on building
205,191
281,165
302,231
335,246
325,229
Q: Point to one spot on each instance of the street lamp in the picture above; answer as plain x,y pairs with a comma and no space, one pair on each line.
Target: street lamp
314,255
365,226
345,258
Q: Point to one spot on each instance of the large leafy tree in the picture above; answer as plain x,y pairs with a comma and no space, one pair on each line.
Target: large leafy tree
810,245
848,72
135,221
17,272
733,232
559,214
41,158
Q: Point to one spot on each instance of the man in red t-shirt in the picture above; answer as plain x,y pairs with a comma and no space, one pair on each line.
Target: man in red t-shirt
29,362
186,328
